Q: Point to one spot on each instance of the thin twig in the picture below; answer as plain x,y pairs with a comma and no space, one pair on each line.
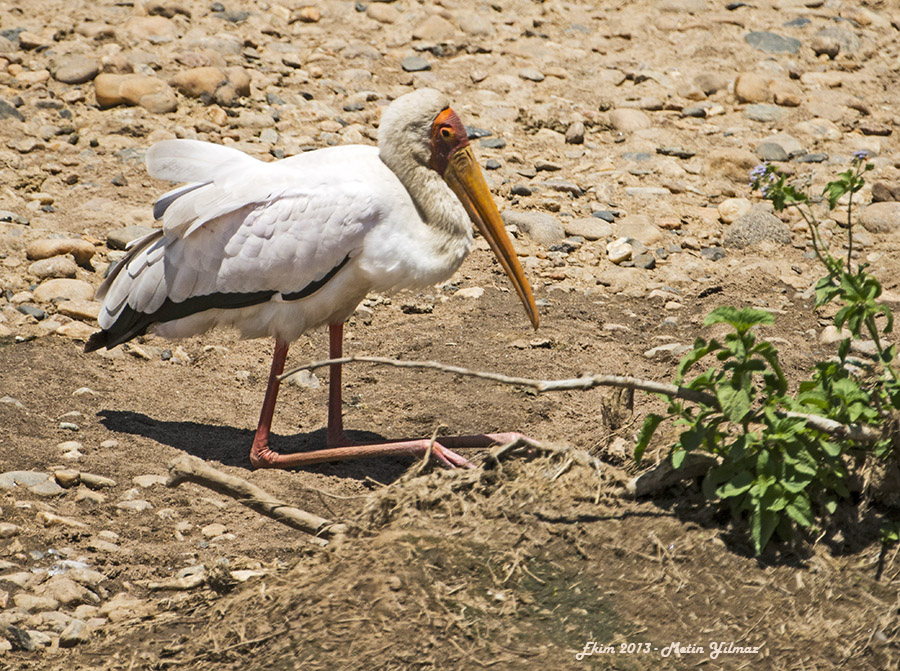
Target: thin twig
857,432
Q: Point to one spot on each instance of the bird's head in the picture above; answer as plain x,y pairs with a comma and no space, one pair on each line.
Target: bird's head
423,122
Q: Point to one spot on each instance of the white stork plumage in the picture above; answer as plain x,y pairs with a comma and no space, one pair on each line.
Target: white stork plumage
275,249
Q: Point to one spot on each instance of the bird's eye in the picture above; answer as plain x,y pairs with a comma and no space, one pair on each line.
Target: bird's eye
446,133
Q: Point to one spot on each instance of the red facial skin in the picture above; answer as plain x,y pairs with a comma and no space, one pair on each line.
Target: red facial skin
448,135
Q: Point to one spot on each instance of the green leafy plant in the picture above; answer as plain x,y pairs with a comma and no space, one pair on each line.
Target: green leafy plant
777,469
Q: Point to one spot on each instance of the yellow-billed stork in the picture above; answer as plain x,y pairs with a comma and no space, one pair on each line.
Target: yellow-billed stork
275,249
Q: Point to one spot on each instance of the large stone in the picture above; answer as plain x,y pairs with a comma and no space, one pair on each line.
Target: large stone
74,69
541,227
66,591
755,227
772,42
434,29
750,87
151,93
45,248
639,227
79,309
382,13
475,23
627,120
821,129
732,209
58,266
73,290
213,85
154,29
76,331
881,217
589,228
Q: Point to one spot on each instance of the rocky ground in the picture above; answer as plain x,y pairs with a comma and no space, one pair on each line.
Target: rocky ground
618,139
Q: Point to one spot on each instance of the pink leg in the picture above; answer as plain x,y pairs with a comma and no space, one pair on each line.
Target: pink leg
335,436
339,446
260,454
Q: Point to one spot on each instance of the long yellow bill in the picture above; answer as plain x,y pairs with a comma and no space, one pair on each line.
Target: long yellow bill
465,179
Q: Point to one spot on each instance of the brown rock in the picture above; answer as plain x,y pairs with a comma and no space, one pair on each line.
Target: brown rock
883,217
628,120
733,164
306,15
199,82
76,330
751,88
45,248
882,191
434,29
825,44
382,13
154,29
74,69
79,309
58,266
151,93
785,93
639,227
64,288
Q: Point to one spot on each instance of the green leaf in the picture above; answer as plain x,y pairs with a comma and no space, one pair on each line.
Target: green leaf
762,524
735,403
678,455
800,511
736,486
649,427
742,320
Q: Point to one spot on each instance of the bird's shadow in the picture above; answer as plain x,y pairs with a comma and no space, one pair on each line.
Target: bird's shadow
230,446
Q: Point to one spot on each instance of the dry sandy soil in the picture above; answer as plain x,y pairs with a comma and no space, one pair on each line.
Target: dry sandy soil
516,565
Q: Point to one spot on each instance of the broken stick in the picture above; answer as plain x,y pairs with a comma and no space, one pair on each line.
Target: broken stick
191,469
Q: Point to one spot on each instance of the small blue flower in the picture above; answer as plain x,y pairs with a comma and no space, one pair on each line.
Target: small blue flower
758,172
861,154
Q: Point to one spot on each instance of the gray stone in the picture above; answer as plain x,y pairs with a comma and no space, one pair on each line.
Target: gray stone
120,237
763,113
589,228
646,261
13,479
415,64
74,69
531,74
541,227
32,311
772,43
75,633
771,151
883,217
712,253
58,266
846,39
754,227
575,133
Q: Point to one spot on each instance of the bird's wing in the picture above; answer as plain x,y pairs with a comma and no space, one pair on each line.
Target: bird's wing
245,228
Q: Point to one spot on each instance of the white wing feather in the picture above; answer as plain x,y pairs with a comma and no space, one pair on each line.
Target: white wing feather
249,225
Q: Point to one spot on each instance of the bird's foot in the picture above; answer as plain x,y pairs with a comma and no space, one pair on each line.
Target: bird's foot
261,456
341,448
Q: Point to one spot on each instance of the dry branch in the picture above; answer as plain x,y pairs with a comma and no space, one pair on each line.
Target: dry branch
857,432
191,469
